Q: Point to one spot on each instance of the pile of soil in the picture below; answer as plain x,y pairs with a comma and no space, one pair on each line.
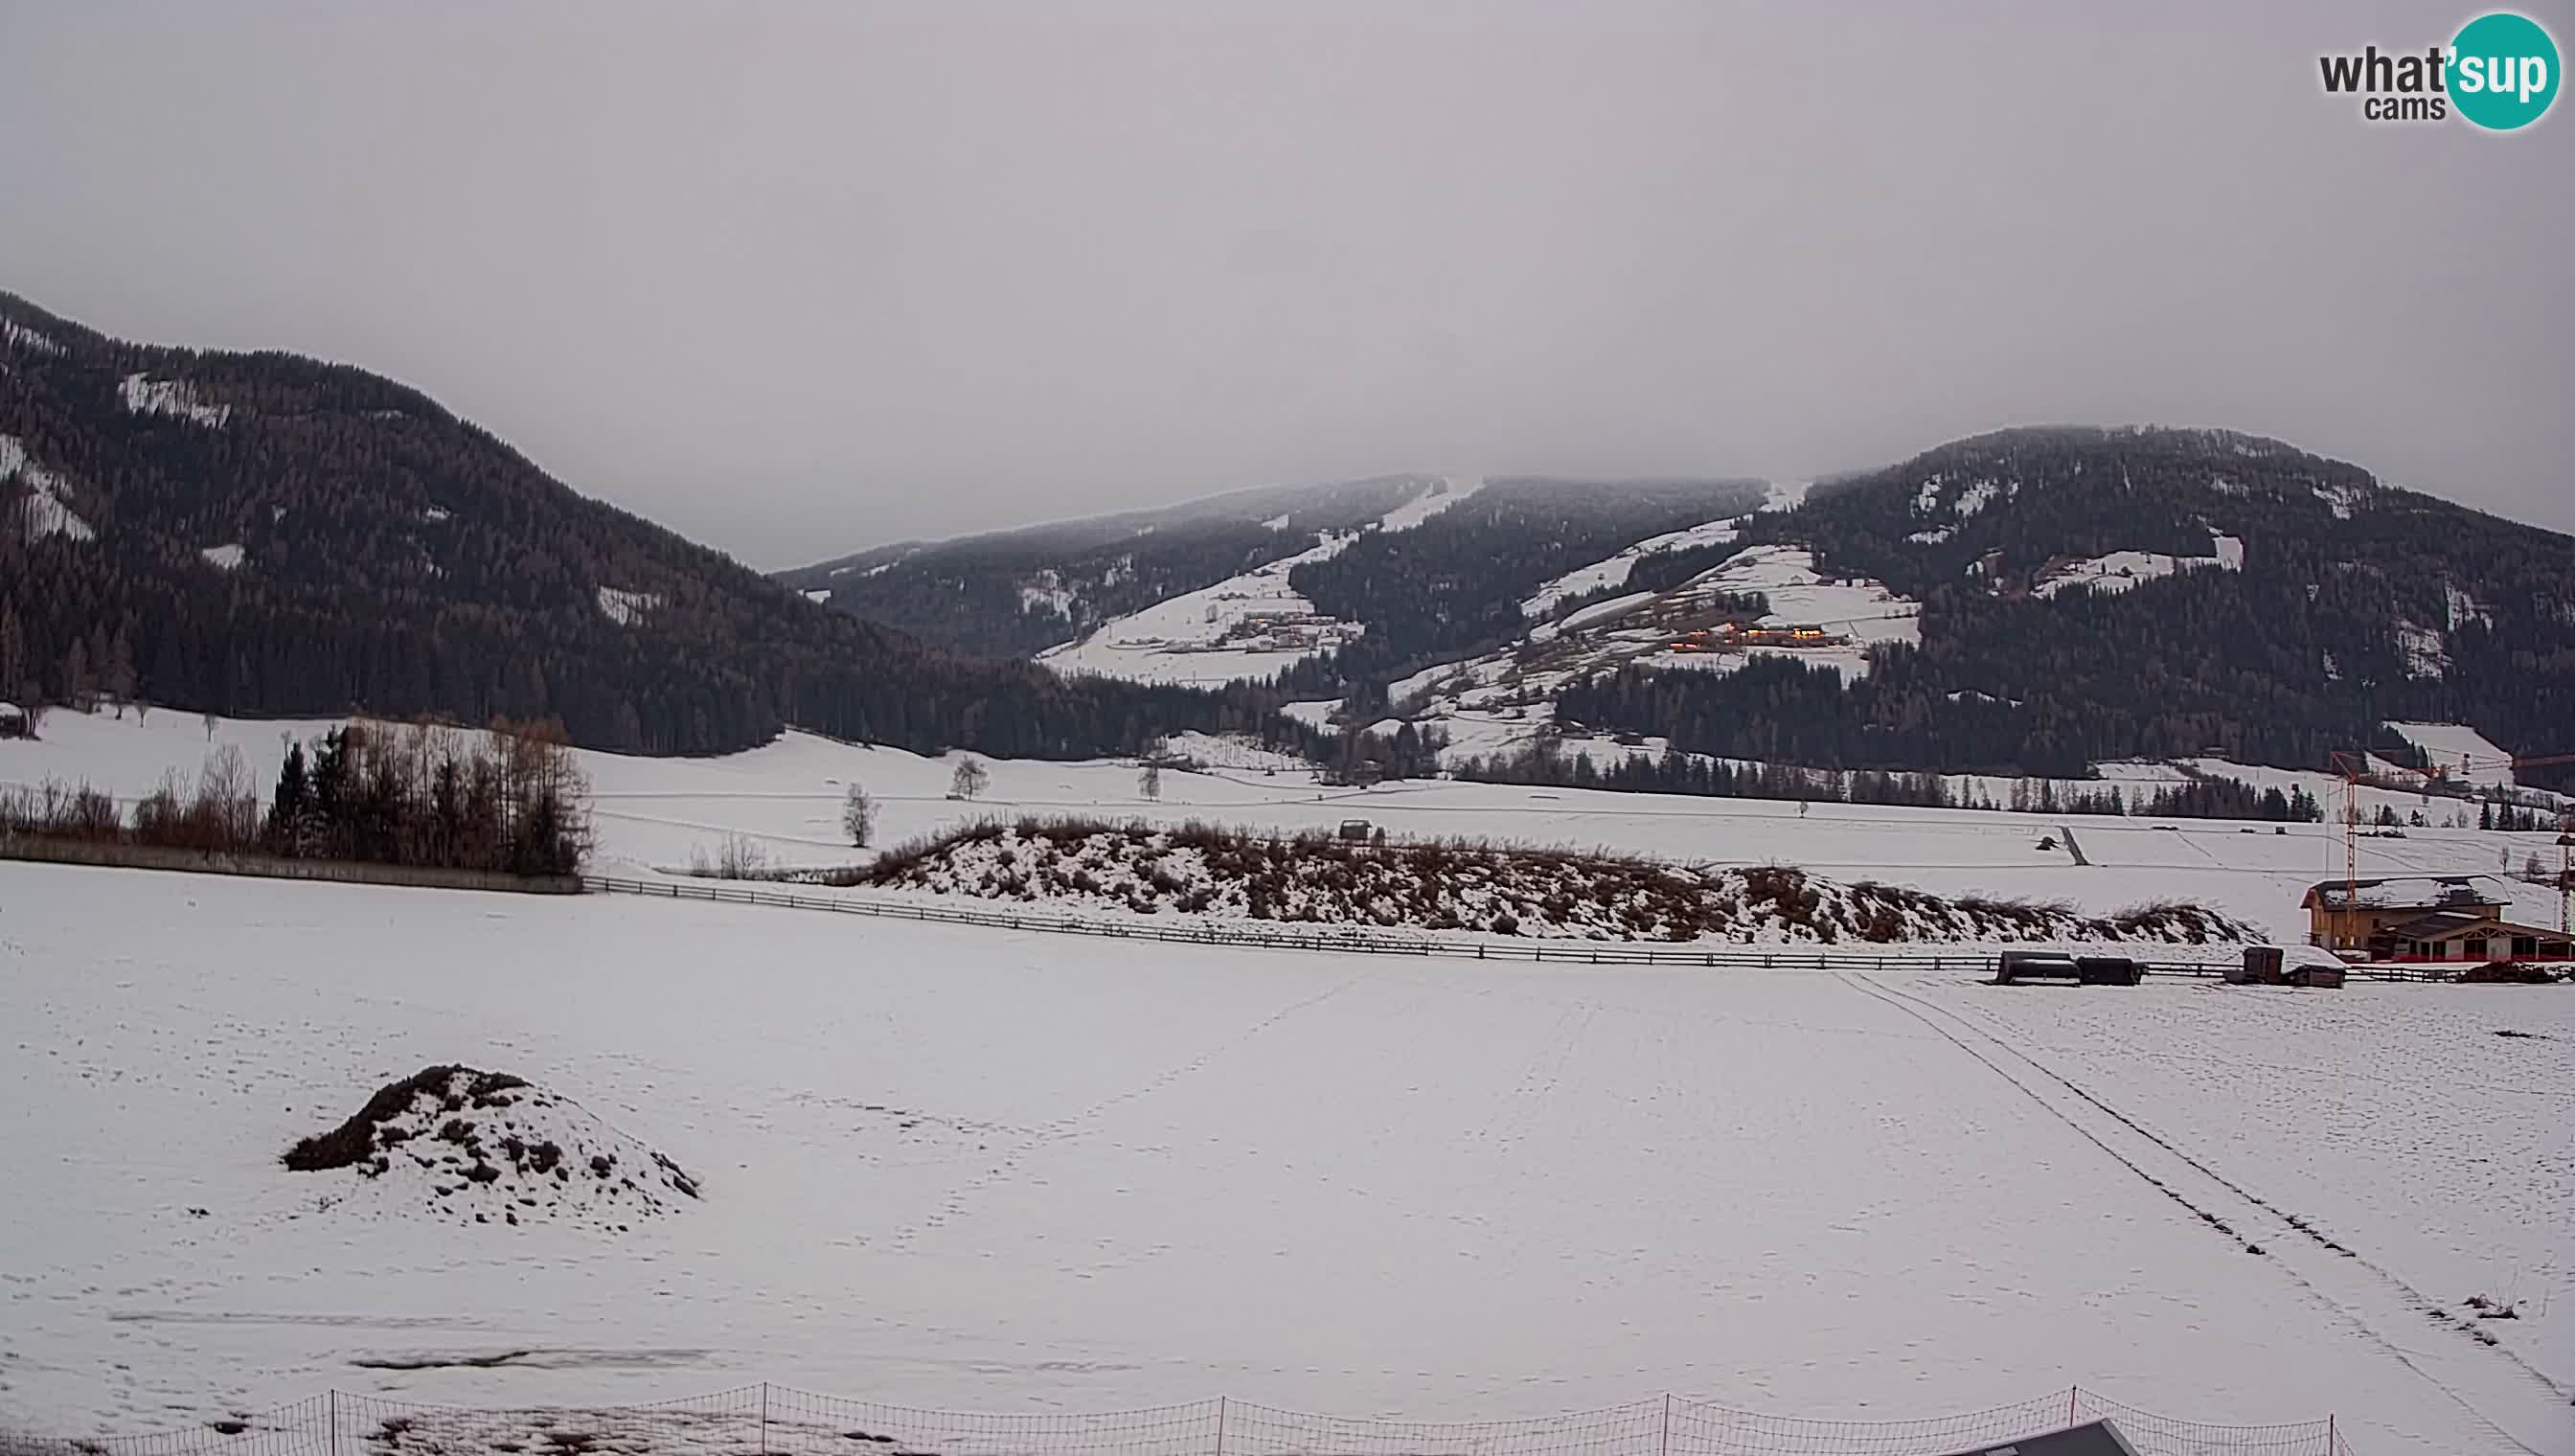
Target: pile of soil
473,1147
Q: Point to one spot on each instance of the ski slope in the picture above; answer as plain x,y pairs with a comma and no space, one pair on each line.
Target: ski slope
2463,753
1612,571
1206,638
1250,625
968,1169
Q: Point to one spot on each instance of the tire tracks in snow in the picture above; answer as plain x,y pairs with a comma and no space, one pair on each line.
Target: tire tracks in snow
2502,1392
1007,1167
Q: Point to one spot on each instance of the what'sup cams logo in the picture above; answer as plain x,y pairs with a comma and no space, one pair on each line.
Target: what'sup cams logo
2499,73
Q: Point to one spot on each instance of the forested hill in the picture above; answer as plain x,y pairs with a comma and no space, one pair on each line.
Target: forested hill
263,534
2101,594
1017,592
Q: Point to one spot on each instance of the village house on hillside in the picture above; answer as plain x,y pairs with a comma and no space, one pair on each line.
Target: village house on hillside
2429,918
1730,636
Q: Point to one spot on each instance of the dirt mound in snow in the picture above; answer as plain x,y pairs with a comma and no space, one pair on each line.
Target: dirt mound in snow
1316,878
475,1146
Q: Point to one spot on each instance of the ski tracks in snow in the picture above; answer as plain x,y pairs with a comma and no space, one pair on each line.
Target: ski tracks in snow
2500,1391
1516,1113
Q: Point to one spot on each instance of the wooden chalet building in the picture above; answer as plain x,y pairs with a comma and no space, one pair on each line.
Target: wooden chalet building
2435,918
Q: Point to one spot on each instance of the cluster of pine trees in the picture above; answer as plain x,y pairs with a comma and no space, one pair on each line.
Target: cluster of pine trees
512,799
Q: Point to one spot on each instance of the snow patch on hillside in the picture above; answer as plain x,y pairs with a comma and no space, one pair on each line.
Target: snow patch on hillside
2464,755
1434,499
437,515
44,511
1314,715
1933,537
453,1146
1784,495
626,609
2425,654
2465,609
226,558
2122,570
1971,496
817,595
1858,610
1614,572
15,334
1250,625
146,396
1046,594
2341,500
1233,753
1598,611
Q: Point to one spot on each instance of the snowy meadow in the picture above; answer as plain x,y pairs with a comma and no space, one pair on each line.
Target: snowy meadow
974,1169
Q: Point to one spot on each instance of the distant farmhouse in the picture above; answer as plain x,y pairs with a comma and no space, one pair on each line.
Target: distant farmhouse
2427,918
1728,636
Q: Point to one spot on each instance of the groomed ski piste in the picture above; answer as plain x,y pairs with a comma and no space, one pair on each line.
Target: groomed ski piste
963,1168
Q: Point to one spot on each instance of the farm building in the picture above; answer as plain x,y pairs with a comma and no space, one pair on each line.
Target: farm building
2442,918
2466,936
13,721
2345,916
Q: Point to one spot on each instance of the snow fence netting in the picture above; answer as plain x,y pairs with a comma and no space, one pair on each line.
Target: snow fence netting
755,1420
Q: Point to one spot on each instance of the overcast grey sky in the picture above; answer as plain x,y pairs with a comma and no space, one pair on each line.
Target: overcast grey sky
797,279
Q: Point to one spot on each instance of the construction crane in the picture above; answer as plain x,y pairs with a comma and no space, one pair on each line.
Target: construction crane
2356,766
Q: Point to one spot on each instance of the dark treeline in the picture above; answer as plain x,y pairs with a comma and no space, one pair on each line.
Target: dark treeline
1547,762
396,560
1360,755
1905,714
512,799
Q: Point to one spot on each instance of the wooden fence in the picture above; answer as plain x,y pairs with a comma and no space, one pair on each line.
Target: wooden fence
2158,959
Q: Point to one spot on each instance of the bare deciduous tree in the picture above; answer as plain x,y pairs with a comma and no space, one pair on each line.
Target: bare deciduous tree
970,780
859,815
737,857
1149,782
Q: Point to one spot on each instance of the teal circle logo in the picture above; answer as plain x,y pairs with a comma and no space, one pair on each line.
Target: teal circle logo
2503,71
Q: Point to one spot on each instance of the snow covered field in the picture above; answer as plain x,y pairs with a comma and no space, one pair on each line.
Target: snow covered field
962,1168
653,813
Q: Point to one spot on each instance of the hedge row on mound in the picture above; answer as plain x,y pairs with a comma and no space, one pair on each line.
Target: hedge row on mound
1462,884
